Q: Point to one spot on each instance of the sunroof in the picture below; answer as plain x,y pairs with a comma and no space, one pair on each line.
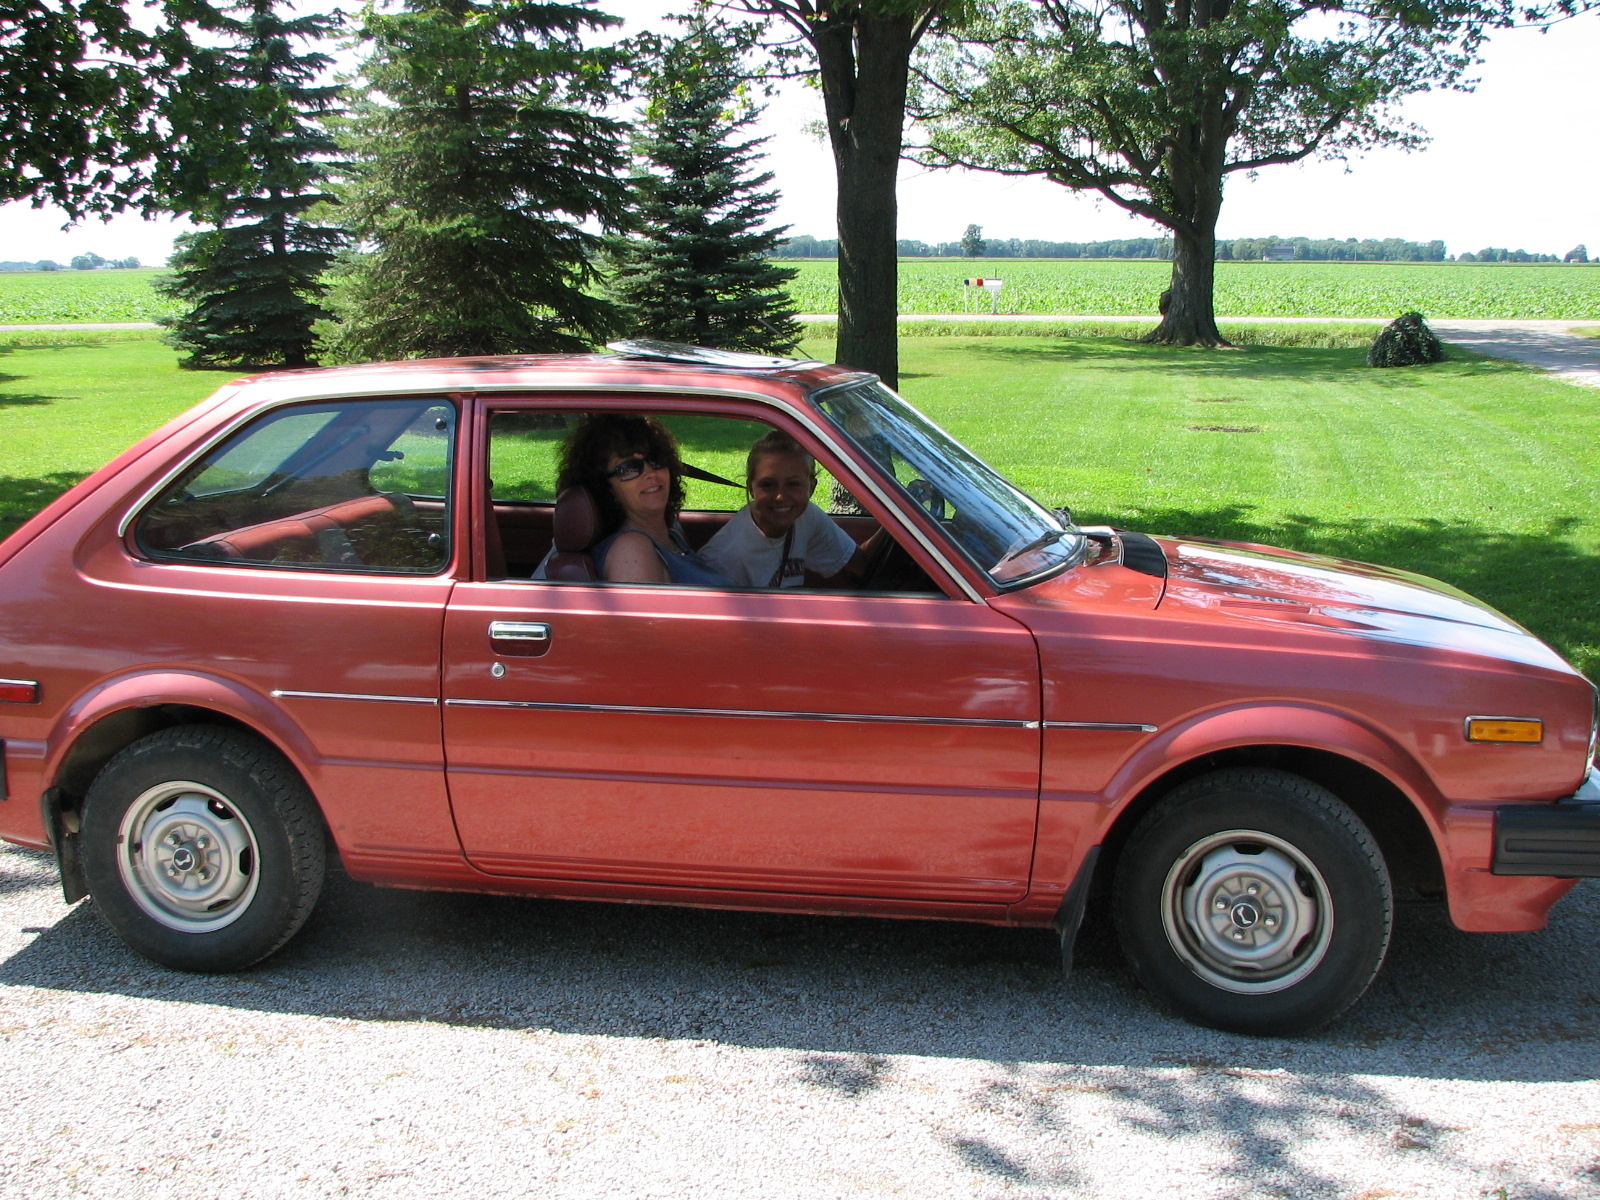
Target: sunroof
704,356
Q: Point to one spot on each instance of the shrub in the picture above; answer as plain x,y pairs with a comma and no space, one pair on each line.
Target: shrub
1405,342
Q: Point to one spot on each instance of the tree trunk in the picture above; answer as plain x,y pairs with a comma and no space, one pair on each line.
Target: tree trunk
1188,315
1193,166
864,67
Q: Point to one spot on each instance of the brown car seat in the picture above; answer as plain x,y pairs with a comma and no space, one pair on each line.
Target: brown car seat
575,524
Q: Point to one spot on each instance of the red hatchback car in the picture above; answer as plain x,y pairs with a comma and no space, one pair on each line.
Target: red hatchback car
310,616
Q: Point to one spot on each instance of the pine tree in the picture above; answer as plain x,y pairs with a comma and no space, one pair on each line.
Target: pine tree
695,267
476,161
252,282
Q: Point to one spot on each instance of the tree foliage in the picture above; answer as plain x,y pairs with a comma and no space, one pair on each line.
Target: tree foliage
253,282
100,98
476,160
1153,103
694,266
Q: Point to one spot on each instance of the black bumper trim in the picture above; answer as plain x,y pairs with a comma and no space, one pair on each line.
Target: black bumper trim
1561,839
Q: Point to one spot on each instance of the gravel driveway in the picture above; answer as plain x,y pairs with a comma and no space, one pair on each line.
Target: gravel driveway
410,1044
1543,344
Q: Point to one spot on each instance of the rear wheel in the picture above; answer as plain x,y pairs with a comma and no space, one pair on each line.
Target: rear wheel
1254,901
202,848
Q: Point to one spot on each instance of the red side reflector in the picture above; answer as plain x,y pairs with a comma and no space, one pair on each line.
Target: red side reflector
19,691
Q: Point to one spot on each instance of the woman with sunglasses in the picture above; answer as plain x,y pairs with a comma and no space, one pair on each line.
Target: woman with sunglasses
629,464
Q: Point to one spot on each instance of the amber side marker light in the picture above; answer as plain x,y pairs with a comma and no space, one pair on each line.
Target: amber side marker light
19,691
1524,730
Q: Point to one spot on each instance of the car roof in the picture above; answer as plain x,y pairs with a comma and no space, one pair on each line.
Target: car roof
640,371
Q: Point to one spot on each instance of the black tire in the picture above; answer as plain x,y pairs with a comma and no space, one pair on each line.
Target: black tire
202,848
1254,901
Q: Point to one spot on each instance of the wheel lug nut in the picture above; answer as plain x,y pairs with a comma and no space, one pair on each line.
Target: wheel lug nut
1252,890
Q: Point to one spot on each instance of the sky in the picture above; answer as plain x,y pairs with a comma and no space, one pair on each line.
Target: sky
1511,164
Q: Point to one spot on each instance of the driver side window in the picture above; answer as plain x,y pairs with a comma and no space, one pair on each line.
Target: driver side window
717,519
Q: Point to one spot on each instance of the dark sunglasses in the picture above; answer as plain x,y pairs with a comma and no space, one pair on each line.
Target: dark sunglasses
632,468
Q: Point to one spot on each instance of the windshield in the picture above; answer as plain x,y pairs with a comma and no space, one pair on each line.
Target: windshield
1007,534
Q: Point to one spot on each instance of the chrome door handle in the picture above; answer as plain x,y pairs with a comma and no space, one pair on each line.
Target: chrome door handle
519,631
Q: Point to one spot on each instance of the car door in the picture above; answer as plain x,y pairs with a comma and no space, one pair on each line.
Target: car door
813,743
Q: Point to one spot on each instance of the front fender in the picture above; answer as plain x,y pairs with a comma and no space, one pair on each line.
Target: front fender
1075,818
1279,724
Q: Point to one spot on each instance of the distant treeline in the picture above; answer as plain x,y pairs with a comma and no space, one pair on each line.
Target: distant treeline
84,262
1296,249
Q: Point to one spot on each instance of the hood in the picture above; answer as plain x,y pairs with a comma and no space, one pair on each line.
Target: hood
1259,583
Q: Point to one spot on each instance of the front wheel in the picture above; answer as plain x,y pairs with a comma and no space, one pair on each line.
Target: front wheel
202,848
1254,901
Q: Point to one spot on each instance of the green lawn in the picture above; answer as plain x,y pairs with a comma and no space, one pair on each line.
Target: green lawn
1476,472
70,402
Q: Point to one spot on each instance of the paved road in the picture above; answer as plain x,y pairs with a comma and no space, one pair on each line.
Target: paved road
466,1048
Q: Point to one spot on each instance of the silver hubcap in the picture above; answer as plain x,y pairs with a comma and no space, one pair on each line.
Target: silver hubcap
187,857
1247,911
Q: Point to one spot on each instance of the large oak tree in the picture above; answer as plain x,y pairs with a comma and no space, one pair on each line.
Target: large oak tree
1154,103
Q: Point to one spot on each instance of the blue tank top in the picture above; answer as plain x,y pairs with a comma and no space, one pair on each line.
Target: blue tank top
685,567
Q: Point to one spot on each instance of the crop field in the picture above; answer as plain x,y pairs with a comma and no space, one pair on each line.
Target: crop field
62,297
1381,291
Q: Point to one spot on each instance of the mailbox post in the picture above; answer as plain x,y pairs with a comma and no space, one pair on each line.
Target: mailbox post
992,286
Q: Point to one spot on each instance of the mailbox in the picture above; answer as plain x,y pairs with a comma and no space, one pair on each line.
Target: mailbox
992,286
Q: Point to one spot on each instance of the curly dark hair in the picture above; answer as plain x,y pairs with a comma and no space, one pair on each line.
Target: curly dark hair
590,447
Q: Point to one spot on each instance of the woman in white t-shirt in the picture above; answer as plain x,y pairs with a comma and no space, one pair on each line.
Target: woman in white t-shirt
780,535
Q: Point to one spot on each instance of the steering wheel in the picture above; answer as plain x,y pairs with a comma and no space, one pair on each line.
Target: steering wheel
927,498
889,568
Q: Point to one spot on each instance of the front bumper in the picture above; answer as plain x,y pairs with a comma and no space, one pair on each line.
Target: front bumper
1560,839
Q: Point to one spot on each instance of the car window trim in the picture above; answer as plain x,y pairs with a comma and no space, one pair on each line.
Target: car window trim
811,421
239,421
823,432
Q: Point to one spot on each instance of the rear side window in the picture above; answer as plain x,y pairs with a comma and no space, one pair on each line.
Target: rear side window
346,486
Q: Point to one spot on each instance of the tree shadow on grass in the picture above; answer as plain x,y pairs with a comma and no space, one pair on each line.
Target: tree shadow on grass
1263,362
1540,578
20,498
20,399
